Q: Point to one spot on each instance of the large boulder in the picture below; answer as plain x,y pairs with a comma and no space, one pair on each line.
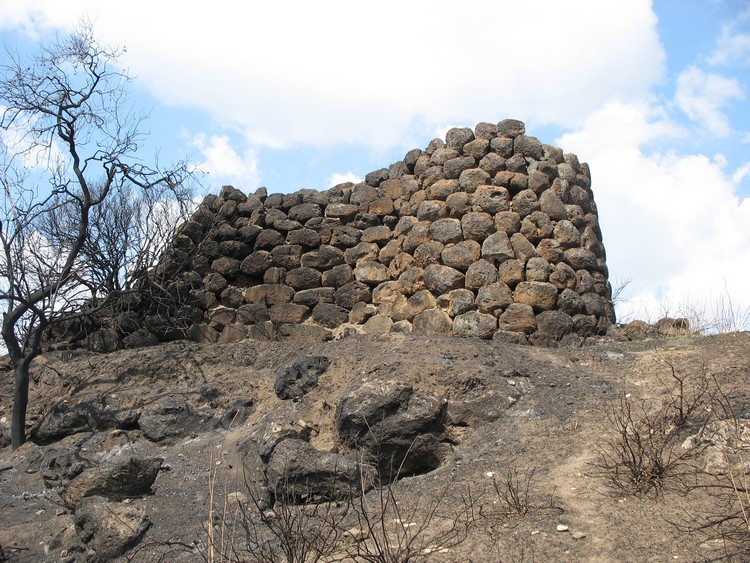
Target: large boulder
371,272
493,298
668,326
428,253
126,479
461,256
555,324
298,473
173,418
477,225
497,248
398,428
282,423
542,296
351,293
446,230
58,463
329,315
457,302
378,324
65,419
518,317
285,313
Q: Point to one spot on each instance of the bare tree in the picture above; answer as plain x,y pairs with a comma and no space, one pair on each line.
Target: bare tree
75,193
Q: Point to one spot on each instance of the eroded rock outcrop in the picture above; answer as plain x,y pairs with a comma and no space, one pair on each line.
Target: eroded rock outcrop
400,430
129,478
109,528
297,472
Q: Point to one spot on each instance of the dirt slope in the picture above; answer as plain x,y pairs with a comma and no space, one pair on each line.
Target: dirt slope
539,413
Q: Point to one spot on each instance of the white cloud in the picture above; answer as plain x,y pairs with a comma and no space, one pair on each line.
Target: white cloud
21,151
741,173
18,15
672,223
338,178
733,46
316,73
223,162
701,96
32,17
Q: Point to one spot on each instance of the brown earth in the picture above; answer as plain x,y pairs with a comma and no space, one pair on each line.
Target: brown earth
542,414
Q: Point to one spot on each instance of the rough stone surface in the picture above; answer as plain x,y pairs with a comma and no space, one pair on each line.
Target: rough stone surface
400,429
511,272
293,381
483,206
555,323
298,473
329,315
108,528
371,272
432,321
442,279
286,313
494,297
540,295
172,418
457,302
475,324
130,478
64,419
518,317
477,225
462,255
668,326
281,423
480,273
496,248
378,324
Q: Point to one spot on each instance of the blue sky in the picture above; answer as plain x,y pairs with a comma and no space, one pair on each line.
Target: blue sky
654,95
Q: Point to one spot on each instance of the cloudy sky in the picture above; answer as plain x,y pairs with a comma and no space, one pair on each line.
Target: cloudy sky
299,94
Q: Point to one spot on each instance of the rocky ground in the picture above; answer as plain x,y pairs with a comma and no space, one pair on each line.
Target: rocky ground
508,451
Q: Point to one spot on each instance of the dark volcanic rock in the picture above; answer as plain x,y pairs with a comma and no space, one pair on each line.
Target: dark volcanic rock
297,472
282,423
88,416
297,379
173,418
400,429
330,315
130,478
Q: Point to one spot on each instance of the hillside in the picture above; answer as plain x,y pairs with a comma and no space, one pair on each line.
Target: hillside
536,419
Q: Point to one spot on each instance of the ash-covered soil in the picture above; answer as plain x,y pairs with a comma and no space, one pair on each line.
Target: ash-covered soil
538,415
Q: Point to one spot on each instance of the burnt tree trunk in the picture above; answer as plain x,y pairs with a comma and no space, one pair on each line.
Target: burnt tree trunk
20,402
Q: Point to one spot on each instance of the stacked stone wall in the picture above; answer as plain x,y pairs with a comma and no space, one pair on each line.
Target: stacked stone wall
487,233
